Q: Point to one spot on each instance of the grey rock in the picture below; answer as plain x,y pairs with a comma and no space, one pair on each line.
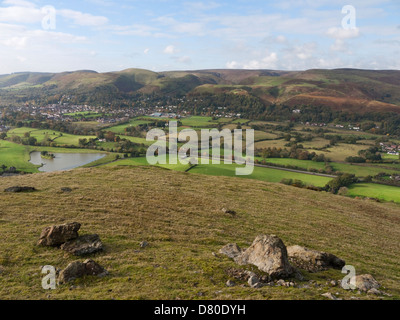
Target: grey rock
231,250
83,245
330,296
20,189
66,190
228,211
230,283
374,291
312,260
144,244
254,282
365,282
334,283
57,235
269,254
281,283
79,269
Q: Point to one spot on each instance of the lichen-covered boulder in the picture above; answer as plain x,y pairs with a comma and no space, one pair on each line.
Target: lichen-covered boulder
57,235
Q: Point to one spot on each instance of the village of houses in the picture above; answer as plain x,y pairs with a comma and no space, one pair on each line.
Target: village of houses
66,112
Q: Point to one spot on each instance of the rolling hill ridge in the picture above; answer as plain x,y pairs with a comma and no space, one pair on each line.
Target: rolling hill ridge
350,90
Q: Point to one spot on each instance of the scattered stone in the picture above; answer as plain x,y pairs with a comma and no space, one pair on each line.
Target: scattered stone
79,269
144,244
57,235
312,260
66,190
374,291
227,211
281,283
365,282
238,274
330,296
20,189
231,250
334,283
83,245
254,282
269,254
230,283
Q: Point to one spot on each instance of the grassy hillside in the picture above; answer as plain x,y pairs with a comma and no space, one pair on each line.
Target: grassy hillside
128,205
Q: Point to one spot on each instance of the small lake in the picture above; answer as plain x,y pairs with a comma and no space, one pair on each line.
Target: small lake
64,161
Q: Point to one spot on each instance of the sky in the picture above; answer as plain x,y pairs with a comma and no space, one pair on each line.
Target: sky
163,35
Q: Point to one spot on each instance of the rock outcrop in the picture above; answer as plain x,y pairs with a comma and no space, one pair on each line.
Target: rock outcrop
365,282
79,269
83,245
57,235
312,260
231,250
269,254
20,189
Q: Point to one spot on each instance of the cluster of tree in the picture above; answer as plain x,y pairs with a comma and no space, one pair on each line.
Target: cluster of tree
372,154
28,141
295,152
141,129
333,186
334,139
47,155
343,180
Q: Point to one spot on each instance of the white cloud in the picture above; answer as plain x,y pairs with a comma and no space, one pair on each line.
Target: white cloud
232,65
20,11
170,49
269,61
20,14
83,19
201,6
140,30
195,28
15,42
20,3
340,33
146,51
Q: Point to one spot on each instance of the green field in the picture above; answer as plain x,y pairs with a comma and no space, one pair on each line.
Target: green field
390,156
56,136
16,155
143,162
263,174
120,129
377,191
358,170
197,121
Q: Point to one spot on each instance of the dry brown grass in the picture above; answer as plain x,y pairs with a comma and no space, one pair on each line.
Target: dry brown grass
180,216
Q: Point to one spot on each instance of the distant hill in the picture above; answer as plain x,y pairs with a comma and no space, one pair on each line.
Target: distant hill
350,90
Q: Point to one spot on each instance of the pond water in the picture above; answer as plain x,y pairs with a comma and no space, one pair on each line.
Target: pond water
64,161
